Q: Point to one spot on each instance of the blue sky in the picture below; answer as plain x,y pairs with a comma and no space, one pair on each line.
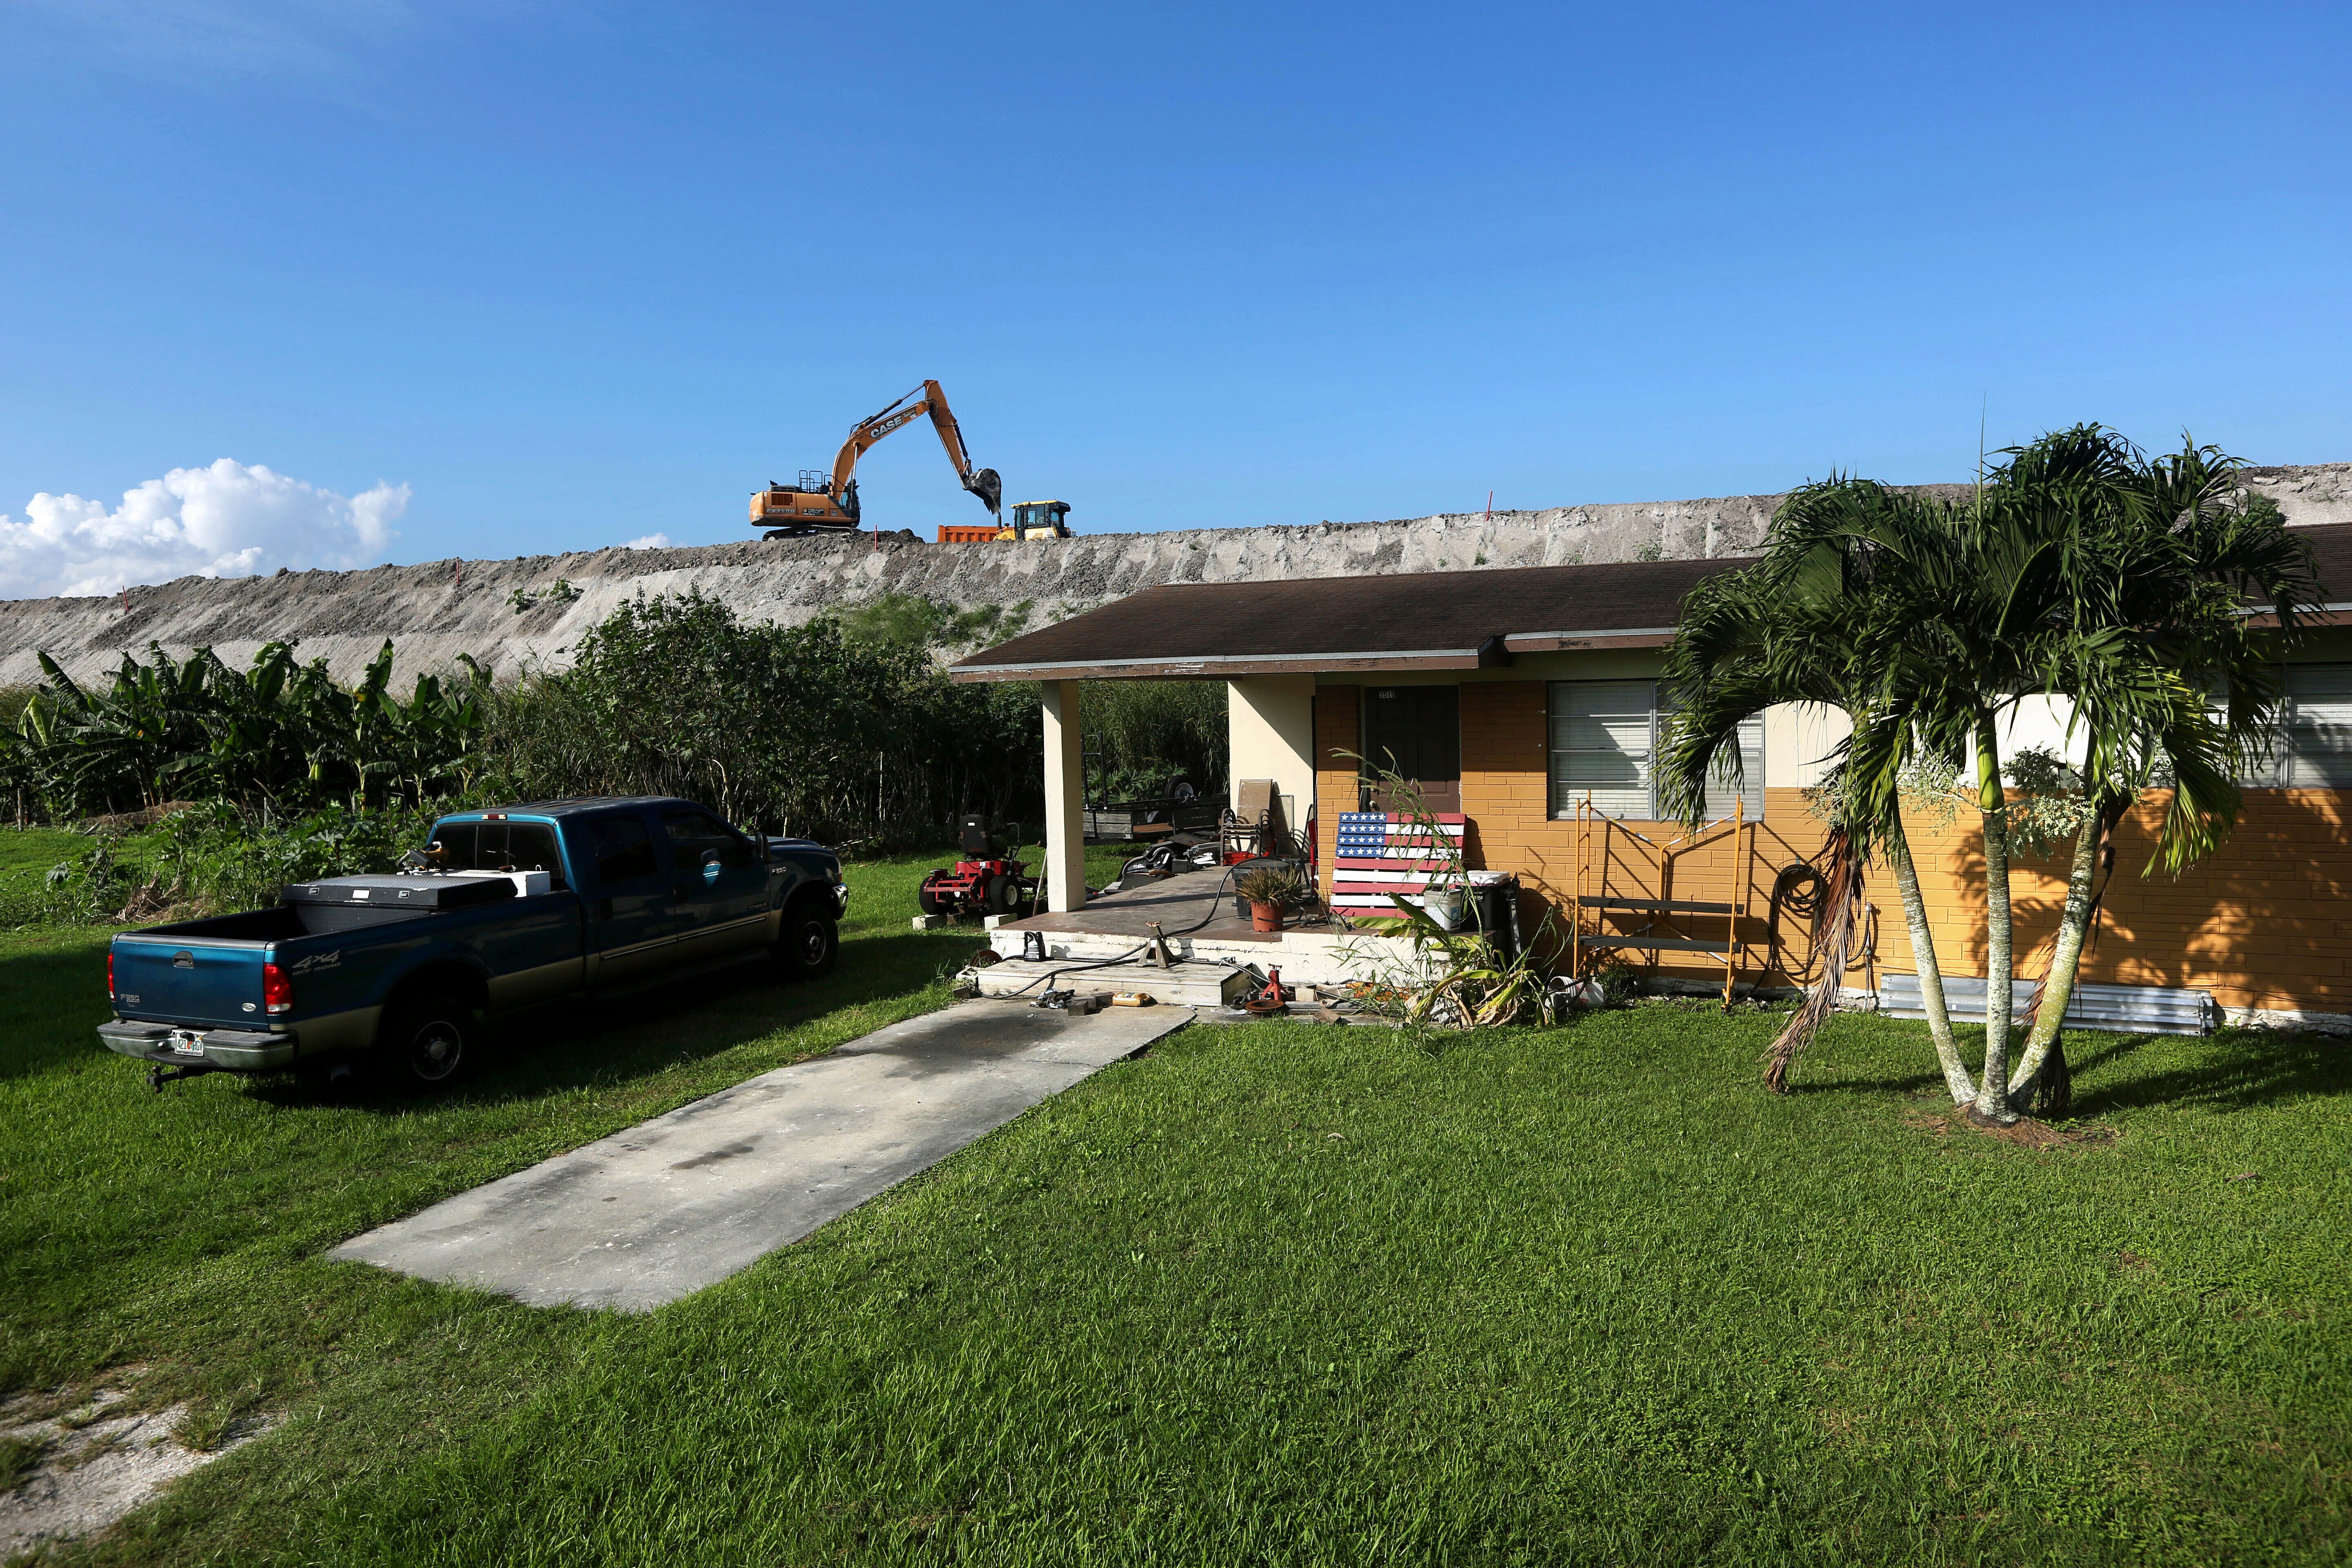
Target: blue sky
577,274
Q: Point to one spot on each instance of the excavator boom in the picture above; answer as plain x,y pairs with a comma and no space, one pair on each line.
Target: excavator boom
803,506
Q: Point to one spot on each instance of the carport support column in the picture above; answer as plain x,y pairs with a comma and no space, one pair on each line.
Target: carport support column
1270,734
1066,788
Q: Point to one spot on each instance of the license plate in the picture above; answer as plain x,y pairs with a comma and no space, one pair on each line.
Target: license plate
186,1044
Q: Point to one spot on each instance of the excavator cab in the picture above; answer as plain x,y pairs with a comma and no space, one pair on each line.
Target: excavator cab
1038,519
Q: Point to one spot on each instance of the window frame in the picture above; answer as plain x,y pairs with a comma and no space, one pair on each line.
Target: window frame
1752,760
2288,752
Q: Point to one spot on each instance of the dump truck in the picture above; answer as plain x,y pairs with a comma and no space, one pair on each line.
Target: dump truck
1030,520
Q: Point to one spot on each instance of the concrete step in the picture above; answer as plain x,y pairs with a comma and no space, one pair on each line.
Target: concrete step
1186,985
1323,958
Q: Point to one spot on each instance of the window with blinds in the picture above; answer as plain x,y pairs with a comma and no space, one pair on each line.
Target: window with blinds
2317,753
1604,740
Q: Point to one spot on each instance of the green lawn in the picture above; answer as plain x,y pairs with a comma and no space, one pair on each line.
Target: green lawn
38,848
1271,1293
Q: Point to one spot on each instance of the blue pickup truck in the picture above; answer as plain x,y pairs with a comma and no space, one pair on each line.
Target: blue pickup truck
500,910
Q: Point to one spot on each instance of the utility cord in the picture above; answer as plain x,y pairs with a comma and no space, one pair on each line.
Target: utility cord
1139,947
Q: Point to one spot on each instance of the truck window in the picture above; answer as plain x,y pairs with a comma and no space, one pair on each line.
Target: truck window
692,832
499,847
454,843
624,849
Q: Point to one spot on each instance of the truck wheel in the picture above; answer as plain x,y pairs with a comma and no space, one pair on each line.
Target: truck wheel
928,901
810,943
423,1042
1003,895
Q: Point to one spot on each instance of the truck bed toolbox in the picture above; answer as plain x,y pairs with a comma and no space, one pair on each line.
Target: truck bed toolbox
346,903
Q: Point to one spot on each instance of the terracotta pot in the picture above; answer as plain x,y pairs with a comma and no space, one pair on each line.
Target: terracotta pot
1266,916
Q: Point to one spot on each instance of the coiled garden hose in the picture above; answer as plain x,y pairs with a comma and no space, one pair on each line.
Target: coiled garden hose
1797,894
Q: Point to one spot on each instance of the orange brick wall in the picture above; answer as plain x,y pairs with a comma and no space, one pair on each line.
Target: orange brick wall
1506,794
1338,721
2265,923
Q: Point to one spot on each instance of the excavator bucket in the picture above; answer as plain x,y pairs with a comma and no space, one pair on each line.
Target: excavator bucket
985,484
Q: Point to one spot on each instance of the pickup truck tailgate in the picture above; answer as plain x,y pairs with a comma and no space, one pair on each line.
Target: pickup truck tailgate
188,981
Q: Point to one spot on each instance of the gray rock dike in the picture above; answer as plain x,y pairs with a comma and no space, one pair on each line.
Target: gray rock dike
435,611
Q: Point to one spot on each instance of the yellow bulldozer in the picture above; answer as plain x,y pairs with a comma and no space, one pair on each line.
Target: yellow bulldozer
827,503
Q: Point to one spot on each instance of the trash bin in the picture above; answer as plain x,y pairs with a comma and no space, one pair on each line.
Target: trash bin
1497,897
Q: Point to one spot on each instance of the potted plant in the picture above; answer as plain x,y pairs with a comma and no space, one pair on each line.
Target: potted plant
1268,890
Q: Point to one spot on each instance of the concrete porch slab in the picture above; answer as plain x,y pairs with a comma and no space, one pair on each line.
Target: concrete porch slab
1199,898
689,1197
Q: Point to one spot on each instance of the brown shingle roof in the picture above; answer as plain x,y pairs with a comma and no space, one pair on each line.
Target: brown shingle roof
2331,548
1422,620
1439,620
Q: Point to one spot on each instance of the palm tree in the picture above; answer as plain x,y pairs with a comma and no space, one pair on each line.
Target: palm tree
2151,621
2079,568
2084,569
1803,627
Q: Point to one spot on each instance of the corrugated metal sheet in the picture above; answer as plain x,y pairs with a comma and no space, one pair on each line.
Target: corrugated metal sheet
2133,1009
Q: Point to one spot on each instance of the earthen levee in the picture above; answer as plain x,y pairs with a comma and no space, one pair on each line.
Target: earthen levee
435,611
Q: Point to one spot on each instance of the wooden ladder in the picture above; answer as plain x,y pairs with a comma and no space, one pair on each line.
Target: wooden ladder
1592,893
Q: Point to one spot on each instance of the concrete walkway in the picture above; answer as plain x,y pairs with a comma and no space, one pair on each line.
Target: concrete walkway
687,1199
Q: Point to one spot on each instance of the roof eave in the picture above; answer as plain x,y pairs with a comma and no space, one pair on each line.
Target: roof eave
1209,668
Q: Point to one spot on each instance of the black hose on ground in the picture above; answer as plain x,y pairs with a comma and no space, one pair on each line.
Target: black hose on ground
1140,947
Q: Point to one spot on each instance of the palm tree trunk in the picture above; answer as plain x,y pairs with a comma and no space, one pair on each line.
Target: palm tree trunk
2065,958
1922,959
1992,809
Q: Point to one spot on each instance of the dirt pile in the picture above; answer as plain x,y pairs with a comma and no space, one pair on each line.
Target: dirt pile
513,613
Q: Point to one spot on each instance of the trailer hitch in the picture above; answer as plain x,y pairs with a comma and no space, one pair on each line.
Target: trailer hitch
159,1075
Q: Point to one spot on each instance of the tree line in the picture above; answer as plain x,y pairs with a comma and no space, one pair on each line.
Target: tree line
845,728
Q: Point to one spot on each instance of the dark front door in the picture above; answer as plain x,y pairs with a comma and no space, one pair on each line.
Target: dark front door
1415,731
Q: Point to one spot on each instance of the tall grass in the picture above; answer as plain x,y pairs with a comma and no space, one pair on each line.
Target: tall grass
1147,733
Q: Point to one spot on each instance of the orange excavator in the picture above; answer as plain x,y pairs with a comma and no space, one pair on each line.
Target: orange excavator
825,503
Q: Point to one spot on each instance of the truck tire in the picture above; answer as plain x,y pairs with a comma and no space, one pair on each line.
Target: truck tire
810,941
424,1043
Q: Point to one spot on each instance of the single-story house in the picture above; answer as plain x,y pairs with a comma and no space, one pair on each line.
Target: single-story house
1527,700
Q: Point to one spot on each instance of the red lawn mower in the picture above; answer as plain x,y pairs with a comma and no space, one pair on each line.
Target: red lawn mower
983,883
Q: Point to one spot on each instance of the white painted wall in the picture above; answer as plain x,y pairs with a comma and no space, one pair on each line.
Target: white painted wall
1799,737
2039,721
1270,731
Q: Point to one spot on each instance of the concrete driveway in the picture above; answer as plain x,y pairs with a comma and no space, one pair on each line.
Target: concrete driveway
687,1199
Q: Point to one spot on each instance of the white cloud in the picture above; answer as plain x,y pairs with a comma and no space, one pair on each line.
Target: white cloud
231,519
650,542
